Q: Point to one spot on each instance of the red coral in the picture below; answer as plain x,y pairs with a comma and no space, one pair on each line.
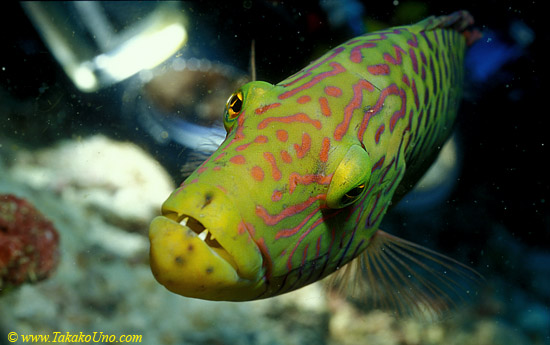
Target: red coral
28,243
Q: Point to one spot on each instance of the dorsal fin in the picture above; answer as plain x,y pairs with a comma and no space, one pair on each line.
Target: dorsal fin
406,278
253,60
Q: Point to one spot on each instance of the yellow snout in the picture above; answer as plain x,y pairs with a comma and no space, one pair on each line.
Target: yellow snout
223,264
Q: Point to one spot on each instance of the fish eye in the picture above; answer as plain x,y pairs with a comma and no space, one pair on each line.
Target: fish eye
350,179
233,109
235,104
352,195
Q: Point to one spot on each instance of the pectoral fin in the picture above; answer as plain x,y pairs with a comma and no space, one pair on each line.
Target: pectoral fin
406,278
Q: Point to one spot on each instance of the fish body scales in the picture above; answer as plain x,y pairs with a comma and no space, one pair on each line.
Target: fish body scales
395,91
310,165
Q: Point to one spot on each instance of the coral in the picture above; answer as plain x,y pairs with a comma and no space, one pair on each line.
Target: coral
28,243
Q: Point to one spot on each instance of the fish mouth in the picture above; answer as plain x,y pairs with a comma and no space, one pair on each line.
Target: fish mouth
203,250
204,234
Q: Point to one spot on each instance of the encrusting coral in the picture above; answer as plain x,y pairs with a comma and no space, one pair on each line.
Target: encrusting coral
28,243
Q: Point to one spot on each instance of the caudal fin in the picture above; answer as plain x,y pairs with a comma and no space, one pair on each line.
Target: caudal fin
460,21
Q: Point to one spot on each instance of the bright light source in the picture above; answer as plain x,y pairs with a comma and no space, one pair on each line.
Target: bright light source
144,51
96,51
84,77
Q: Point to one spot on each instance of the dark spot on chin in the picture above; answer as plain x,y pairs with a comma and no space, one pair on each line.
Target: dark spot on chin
179,260
209,270
207,199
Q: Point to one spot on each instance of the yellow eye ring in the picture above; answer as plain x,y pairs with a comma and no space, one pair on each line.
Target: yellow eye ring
234,105
233,108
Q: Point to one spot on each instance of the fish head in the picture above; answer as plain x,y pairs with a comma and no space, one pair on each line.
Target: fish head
279,205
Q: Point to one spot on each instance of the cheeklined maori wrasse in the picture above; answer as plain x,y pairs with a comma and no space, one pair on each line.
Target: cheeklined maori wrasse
308,169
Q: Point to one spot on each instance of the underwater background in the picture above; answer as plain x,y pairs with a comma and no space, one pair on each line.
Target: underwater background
97,164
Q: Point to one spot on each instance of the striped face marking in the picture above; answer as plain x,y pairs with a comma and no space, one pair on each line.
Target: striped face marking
310,165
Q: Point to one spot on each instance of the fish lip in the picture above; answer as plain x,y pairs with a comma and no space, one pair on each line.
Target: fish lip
240,261
186,265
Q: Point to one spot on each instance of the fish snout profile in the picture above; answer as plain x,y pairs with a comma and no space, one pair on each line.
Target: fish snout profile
201,247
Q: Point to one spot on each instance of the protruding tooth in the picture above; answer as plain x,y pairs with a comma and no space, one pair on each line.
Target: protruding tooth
184,221
203,234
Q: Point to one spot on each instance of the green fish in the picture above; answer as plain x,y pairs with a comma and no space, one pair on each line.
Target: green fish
308,169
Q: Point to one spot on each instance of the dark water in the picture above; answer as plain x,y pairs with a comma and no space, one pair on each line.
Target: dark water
498,216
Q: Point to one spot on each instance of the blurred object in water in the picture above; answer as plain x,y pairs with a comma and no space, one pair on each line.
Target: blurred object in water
409,11
193,88
345,13
102,43
179,104
437,183
488,55
28,243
